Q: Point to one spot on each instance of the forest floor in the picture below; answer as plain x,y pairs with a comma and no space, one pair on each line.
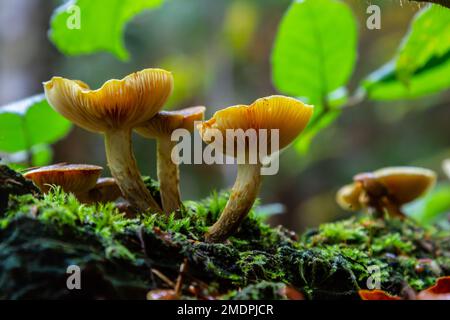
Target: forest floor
139,258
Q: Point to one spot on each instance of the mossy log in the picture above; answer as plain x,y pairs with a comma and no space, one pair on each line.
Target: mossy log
40,237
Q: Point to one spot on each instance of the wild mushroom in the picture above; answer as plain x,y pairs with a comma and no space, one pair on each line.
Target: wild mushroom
105,190
446,167
386,190
160,127
72,178
114,110
287,115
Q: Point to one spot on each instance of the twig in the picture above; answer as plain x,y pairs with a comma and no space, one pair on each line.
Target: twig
444,3
160,275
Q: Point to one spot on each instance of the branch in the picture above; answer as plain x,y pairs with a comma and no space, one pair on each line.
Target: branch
444,3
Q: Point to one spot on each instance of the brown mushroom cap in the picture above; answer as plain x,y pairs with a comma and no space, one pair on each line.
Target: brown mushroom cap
406,184
290,116
165,122
105,190
74,178
348,197
118,104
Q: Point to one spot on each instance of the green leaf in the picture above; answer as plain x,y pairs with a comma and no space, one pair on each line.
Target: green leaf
44,125
42,155
428,38
315,49
435,205
30,122
12,135
101,25
422,64
384,84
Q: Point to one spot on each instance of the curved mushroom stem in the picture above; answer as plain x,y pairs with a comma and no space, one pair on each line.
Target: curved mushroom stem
124,169
168,176
242,198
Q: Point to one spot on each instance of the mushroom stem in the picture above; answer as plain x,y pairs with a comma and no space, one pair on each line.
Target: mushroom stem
242,198
168,176
393,209
123,166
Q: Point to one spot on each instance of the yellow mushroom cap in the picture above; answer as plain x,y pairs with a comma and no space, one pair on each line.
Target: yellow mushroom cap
290,116
348,197
406,184
446,167
165,122
118,104
75,178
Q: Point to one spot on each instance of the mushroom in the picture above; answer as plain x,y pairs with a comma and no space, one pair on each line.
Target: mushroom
446,167
288,115
114,110
160,127
386,190
72,178
348,197
105,190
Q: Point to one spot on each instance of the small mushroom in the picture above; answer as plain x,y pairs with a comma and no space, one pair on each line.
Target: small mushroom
72,178
288,115
446,167
386,190
160,127
348,197
114,110
105,190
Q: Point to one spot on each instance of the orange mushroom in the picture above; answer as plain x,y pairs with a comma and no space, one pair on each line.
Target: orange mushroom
72,178
160,127
114,110
287,115
386,190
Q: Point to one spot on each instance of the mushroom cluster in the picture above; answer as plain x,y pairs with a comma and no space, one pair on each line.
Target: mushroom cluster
386,190
114,110
134,103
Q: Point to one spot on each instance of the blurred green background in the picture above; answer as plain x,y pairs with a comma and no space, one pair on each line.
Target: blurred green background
219,52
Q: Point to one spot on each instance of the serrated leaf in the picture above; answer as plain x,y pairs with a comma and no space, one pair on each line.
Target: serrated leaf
315,49
101,25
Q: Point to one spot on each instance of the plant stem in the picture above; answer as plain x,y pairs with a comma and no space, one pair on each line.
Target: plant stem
242,198
123,166
168,176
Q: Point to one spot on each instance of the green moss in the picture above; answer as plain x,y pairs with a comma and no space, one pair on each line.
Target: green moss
329,262
392,242
263,290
